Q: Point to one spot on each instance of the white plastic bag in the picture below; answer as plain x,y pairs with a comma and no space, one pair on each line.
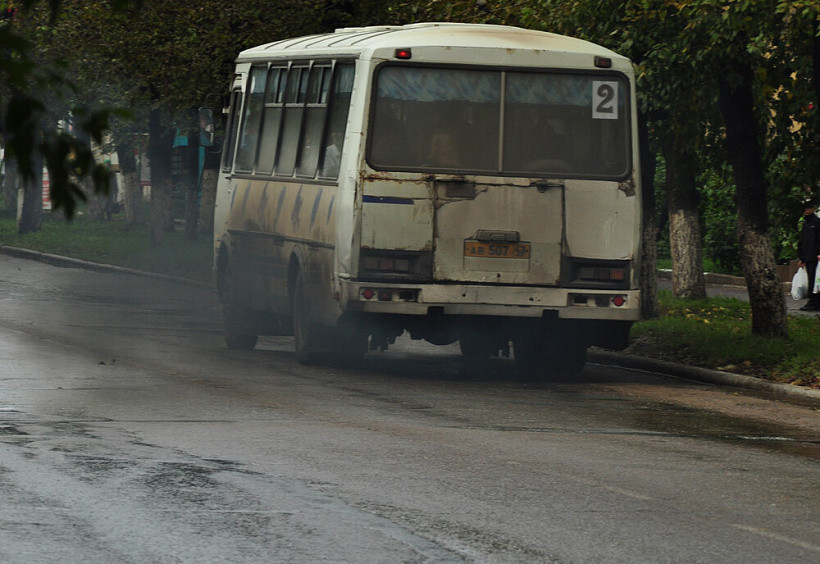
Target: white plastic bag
816,285
800,284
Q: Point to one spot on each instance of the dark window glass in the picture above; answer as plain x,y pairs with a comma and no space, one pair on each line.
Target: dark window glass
438,119
315,113
292,124
249,137
233,127
271,120
333,142
565,124
451,120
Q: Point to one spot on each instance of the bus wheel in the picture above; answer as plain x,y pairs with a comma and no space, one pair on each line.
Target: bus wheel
541,360
573,359
304,329
349,348
236,320
476,347
531,359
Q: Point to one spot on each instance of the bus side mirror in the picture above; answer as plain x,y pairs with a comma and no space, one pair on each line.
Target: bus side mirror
206,127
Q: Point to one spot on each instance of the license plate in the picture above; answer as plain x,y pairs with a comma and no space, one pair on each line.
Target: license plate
481,249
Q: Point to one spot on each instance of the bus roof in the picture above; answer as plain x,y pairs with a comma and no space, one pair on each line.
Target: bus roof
364,40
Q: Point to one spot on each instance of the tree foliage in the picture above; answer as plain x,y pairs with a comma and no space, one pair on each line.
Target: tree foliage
690,54
36,98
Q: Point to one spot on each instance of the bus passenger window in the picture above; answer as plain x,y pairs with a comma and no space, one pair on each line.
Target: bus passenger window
312,129
336,121
292,124
249,137
233,126
271,120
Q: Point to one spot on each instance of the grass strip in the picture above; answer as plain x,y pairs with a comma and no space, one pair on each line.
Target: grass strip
717,333
116,242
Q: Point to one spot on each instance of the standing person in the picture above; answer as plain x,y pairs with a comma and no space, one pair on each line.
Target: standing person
808,251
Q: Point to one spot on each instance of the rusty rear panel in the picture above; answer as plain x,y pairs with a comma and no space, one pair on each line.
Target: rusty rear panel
499,215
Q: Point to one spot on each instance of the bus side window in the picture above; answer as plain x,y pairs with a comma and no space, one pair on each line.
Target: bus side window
233,127
338,108
254,104
271,120
314,123
295,93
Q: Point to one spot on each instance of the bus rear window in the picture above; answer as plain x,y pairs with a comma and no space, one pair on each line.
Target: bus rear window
500,122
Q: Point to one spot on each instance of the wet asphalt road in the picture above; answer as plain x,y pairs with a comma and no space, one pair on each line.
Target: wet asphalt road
129,433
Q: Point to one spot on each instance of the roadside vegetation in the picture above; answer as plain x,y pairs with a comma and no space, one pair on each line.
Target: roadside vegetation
712,333
116,242
716,333
728,94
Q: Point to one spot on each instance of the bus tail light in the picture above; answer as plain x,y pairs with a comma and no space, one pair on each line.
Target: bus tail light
598,274
601,274
390,294
597,300
387,264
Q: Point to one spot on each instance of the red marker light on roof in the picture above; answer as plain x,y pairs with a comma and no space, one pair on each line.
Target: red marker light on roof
403,54
603,62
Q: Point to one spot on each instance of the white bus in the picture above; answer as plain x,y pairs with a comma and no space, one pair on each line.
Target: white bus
471,183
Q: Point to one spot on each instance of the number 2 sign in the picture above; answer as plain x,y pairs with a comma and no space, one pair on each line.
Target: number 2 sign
604,100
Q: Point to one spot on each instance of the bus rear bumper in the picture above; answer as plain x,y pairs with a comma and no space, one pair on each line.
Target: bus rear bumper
495,301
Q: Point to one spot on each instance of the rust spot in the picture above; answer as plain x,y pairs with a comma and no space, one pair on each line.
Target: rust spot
627,187
459,190
378,176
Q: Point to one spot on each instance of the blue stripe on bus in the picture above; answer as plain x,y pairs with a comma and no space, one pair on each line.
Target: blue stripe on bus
387,200
315,207
330,208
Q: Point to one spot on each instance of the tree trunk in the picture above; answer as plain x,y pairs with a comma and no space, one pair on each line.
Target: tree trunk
192,184
756,256
191,207
96,202
649,247
10,186
210,177
159,155
31,214
132,191
684,222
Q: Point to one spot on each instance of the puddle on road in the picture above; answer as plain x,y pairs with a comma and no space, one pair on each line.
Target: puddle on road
689,422
11,430
632,415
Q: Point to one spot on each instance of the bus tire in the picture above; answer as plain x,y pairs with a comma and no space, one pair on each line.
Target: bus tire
304,328
348,349
476,347
236,320
540,360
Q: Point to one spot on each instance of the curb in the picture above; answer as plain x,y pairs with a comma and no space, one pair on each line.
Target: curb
703,375
66,262
597,356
